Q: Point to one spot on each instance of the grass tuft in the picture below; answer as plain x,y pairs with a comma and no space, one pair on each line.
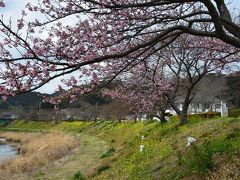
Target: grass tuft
102,169
108,153
78,176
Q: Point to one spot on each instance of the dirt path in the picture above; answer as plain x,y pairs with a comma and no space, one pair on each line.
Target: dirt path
87,157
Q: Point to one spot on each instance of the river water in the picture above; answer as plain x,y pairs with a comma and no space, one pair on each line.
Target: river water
6,150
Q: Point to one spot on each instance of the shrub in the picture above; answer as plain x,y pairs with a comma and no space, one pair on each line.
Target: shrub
210,115
234,113
204,115
78,176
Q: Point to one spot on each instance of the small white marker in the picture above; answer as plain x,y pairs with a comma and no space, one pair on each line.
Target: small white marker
141,148
190,140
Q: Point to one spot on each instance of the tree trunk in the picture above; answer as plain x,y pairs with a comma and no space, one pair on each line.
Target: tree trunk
119,119
183,117
135,118
181,113
162,116
237,100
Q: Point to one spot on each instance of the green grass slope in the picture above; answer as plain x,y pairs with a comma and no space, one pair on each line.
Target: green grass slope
215,155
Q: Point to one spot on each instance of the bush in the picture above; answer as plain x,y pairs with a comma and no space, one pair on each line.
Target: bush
210,115
234,113
197,116
204,115
78,176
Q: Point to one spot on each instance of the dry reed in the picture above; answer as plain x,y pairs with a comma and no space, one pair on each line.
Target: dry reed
36,150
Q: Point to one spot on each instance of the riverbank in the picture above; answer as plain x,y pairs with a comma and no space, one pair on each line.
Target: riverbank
7,149
110,150
35,150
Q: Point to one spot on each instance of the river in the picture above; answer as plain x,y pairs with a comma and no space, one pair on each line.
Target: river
6,150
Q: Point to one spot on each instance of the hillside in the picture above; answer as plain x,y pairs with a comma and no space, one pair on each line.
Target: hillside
22,101
31,101
215,155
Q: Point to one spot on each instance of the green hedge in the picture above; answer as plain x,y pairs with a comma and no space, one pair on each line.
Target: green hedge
231,113
234,113
204,115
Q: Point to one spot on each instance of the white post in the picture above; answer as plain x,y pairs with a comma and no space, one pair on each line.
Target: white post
224,110
142,146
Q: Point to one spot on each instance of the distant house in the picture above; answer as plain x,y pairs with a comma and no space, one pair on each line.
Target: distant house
7,118
141,117
197,106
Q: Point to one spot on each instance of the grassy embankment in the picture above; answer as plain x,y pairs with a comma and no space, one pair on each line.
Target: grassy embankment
215,155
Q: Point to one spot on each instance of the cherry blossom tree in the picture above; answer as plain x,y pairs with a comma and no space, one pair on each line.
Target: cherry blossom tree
188,60
173,73
101,39
142,89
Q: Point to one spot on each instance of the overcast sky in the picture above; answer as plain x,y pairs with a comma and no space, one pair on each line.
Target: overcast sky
13,9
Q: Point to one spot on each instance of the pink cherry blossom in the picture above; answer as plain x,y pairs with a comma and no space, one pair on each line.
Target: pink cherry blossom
4,98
